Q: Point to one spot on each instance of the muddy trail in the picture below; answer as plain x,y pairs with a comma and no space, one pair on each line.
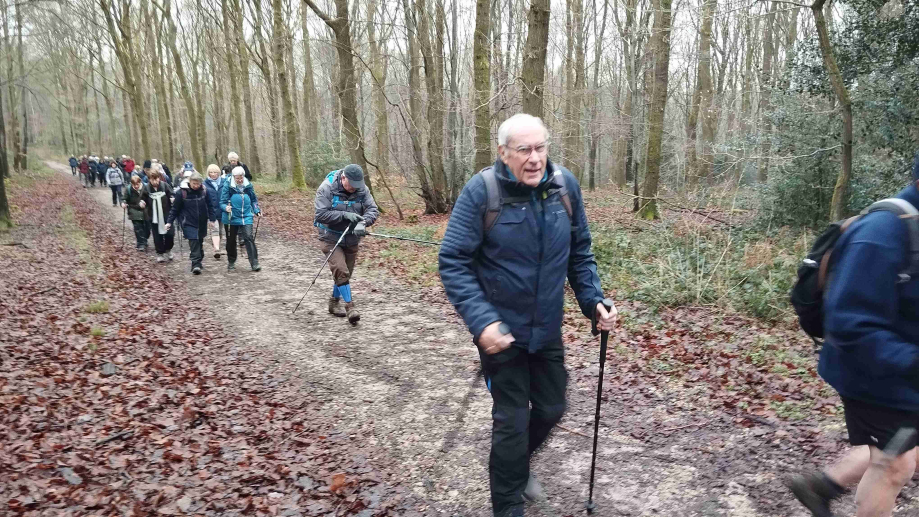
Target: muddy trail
401,387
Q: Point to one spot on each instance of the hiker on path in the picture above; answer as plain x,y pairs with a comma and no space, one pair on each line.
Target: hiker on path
143,174
73,165
160,166
129,164
871,357
84,170
239,205
232,163
214,183
135,200
194,211
92,163
510,266
101,169
115,182
342,202
160,194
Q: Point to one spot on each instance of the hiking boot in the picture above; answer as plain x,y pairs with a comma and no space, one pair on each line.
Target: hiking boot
256,267
160,258
351,312
514,511
815,491
196,270
231,266
170,256
534,491
335,308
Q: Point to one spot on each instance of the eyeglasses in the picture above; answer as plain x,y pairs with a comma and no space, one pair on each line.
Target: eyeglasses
527,150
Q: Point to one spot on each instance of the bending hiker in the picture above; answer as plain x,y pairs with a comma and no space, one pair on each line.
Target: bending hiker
508,264
214,184
135,200
160,194
238,202
871,357
73,165
115,182
232,163
343,201
194,211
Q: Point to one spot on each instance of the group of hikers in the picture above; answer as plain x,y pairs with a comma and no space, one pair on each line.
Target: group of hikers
517,233
223,204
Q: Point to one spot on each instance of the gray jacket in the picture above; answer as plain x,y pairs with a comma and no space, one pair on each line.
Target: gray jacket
113,177
332,200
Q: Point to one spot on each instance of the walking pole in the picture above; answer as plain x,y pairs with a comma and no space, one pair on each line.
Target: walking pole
258,219
396,237
323,265
124,215
604,339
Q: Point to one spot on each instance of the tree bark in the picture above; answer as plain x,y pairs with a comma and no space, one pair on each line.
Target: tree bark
11,84
660,45
379,62
706,91
5,219
230,54
481,57
765,91
534,60
252,155
840,191
310,98
281,38
433,74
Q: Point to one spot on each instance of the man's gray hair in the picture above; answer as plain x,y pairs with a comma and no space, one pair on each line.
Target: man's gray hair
232,156
515,124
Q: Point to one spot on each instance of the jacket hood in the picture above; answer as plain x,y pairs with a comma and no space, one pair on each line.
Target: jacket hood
237,187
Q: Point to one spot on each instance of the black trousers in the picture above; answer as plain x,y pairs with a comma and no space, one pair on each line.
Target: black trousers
195,252
141,233
116,194
244,232
163,243
528,390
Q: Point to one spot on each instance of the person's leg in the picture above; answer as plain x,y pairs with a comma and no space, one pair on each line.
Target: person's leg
215,238
196,253
232,231
548,380
508,377
114,195
139,234
251,251
878,489
849,470
159,245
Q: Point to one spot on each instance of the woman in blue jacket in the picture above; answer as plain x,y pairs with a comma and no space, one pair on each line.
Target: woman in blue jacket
239,206
194,210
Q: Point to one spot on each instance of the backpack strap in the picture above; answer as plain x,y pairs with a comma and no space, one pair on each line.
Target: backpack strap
494,195
559,178
909,215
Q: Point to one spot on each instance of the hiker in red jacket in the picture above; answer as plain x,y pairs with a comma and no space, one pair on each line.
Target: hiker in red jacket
84,170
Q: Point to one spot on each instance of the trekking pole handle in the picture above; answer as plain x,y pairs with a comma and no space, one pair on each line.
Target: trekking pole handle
608,304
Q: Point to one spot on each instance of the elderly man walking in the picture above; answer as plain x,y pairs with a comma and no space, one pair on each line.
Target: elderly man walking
343,202
518,229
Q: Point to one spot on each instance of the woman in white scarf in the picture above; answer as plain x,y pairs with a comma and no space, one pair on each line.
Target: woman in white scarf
161,194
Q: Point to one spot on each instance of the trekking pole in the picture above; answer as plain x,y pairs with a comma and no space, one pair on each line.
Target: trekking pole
124,216
257,220
433,243
604,340
323,265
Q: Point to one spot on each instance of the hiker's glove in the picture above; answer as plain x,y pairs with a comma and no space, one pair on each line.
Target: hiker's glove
360,230
351,217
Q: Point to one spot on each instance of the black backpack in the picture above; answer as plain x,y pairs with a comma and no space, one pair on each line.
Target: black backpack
496,200
807,293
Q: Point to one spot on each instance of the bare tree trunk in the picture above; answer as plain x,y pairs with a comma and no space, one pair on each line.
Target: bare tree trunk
706,92
593,159
433,75
660,45
310,98
252,155
281,38
838,203
414,102
534,60
6,221
765,92
263,63
109,102
230,50
481,52
11,84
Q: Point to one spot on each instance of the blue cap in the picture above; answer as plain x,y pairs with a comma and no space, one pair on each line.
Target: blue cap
188,166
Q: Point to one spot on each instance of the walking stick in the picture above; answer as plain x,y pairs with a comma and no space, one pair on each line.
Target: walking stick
351,227
124,216
604,339
257,221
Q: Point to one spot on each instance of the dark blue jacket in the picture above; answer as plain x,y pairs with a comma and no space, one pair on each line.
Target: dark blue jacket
194,210
73,162
213,193
516,273
871,321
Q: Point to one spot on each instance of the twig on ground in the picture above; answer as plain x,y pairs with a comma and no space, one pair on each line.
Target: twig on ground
697,424
123,434
572,431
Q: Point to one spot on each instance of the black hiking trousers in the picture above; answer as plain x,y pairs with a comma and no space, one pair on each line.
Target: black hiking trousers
528,390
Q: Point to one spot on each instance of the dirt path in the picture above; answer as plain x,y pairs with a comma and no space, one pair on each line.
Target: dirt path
396,384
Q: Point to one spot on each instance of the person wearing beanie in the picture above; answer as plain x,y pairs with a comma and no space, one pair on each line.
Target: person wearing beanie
239,205
344,204
191,207
214,183
73,164
232,163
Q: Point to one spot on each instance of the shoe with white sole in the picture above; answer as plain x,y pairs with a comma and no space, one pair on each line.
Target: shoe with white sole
534,491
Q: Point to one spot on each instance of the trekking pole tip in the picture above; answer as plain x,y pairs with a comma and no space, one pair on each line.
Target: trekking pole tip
590,507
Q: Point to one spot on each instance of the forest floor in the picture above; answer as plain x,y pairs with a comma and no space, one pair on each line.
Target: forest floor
233,404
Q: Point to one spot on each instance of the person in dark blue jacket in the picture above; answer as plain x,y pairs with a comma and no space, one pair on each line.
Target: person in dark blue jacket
515,273
871,357
73,164
193,209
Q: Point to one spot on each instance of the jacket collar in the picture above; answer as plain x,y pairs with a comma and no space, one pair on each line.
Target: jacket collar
510,183
911,194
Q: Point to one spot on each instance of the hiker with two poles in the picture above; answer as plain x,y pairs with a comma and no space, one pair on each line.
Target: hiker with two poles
518,230
859,290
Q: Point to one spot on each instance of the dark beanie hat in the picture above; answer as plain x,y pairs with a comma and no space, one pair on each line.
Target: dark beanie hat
146,164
